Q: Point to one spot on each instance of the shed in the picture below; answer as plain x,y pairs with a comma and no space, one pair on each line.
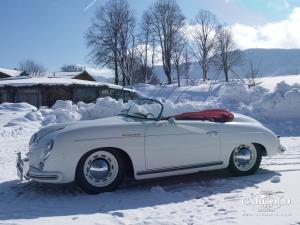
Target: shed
45,91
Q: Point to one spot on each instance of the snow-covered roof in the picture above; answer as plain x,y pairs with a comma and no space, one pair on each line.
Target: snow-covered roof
10,72
99,74
31,81
65,74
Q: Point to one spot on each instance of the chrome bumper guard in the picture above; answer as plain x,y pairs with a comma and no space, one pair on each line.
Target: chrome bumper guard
22,167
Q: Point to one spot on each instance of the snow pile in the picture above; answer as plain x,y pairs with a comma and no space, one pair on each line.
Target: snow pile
17,107
277,109
283,103
235,95
13,114
64,111
104,107
61,112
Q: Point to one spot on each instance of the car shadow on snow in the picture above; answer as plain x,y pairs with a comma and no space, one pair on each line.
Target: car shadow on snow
31,200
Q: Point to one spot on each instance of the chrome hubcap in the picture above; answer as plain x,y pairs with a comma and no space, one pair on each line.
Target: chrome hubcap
244,157
101,168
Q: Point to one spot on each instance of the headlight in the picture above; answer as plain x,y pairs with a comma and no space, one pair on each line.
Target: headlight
32,139
49,148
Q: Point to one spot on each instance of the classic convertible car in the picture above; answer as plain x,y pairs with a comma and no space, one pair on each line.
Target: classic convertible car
140,142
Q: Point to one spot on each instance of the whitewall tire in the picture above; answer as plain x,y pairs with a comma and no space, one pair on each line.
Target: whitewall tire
100,171
244,160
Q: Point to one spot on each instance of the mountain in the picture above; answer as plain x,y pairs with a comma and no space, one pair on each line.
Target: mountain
274,62
270,62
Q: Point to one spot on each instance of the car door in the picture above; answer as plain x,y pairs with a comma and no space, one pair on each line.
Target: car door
181,144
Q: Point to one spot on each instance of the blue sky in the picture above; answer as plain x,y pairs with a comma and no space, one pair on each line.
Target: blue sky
51,32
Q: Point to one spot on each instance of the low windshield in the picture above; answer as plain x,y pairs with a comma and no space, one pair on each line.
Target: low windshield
144,109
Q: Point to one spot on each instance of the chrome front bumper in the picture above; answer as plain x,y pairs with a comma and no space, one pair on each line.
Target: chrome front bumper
24,171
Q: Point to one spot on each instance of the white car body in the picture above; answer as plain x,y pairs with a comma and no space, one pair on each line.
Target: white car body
155,148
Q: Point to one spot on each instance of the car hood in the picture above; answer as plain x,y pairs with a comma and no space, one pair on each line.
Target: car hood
49,129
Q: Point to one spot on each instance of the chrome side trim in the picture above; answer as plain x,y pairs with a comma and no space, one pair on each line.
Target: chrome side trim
110,138
170,169
131,135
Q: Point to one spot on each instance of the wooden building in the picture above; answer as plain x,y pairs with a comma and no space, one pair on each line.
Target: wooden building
80,75
45,91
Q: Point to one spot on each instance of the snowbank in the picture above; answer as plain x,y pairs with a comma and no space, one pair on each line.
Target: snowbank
283,103
17,106
277,109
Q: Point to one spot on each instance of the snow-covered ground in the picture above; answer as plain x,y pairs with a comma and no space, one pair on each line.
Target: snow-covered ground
204,198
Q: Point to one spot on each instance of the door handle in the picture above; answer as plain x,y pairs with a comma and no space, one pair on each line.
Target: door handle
212,133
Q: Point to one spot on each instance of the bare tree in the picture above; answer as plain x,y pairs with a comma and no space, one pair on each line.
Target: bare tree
167,22
126,57
145,45
186,65
126,51
111,37
253,72
178,56
137,78
71,68
204,37
153,55
227,54
31,67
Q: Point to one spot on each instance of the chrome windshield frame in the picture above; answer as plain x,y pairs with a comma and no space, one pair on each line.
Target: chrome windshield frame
159,116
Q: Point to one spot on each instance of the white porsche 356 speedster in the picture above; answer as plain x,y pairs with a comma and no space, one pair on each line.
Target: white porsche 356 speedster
140,142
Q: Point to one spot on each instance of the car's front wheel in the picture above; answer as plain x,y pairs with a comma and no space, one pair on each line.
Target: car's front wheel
244,160
100,171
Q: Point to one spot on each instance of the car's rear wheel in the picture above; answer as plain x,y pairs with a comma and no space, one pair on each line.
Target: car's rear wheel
100,171
244,160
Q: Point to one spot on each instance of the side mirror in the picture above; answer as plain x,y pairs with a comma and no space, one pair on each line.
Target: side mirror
172,120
